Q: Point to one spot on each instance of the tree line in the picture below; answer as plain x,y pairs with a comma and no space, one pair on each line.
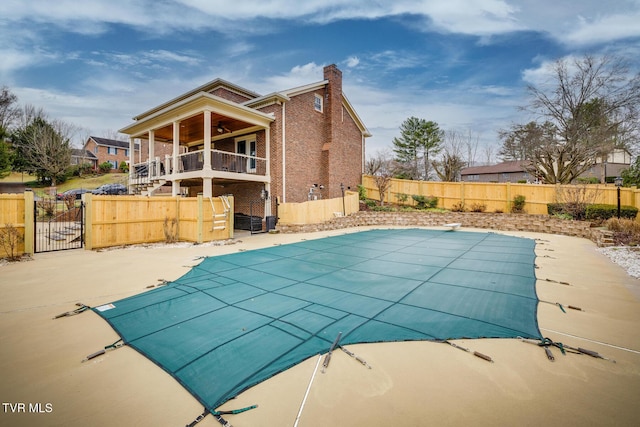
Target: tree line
31,142
586,109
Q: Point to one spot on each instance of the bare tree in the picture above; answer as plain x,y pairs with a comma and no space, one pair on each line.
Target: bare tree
9,112
593,108
452,160
381,167
488,153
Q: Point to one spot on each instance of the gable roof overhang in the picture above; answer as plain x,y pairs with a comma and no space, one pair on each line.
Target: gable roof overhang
195,105
345,102
207,87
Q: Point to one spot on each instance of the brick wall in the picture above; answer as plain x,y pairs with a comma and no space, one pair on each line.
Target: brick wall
102,153
305,136
503,222
323,148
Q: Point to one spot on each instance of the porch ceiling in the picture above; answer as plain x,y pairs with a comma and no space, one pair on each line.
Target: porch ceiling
231,116
192,129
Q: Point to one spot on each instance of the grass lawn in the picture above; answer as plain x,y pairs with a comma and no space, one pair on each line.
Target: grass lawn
88,181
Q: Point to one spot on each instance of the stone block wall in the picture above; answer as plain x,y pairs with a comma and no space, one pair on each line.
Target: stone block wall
491,221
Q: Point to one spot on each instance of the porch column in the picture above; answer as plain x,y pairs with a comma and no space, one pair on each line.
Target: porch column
267,185
132,157
176,146
152,145
175,184
207,142
207,187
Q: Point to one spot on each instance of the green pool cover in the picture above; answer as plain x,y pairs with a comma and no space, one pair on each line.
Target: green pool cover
236,320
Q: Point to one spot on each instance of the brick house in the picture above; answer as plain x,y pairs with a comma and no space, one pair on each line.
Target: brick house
80,156
287,146
512,171
108,150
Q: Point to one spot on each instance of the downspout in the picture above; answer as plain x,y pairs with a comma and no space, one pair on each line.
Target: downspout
284,156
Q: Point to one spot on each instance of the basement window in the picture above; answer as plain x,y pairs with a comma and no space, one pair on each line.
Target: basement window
317,103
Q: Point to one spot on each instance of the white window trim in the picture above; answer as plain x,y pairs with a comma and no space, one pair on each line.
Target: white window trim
315,103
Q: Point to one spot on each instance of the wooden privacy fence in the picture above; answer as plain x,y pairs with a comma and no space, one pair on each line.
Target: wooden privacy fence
127,220
14,214
498,197
317,211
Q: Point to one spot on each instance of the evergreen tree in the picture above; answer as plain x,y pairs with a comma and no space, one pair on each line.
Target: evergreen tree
419,140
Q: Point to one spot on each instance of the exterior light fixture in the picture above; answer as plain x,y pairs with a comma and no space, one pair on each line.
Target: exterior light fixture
618,182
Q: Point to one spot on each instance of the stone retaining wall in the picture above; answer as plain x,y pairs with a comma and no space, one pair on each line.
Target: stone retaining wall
493,221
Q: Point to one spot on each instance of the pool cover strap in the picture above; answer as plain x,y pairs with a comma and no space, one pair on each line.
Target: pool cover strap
218,415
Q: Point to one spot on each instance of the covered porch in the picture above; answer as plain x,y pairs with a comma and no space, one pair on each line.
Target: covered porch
210,138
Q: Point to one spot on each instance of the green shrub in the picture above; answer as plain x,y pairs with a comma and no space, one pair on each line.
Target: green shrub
402,197
425,202
602,212
589,180
370,203
362,192
124,167
575,210
563,216
383,209
105,167
517,206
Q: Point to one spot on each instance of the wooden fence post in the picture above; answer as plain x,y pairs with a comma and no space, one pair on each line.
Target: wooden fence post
88,221
200,219
29,223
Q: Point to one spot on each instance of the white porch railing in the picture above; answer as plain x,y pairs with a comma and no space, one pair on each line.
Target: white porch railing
222,161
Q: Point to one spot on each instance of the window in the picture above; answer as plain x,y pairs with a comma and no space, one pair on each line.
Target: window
112,150
126,152
114,164
95,150
317,103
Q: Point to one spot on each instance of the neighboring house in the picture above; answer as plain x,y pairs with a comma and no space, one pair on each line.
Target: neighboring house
80,156
288,146
512,171
605,169
109,150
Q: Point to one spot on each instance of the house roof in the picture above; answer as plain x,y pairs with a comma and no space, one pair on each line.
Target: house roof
80,152
504,167
253,102
112,142
207,87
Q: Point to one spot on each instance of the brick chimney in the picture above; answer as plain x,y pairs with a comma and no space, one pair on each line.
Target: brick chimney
333,101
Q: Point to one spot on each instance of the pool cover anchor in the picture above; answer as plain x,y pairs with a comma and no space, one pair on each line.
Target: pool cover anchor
218,415
355,356
113,346
81,309
475,353
327,358
547,342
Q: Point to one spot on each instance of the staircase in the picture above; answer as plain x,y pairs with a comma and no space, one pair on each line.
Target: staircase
147,189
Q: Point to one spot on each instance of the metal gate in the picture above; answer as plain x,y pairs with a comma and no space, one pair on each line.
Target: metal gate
59,224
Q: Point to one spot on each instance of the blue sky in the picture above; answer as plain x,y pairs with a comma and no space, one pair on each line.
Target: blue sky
462,63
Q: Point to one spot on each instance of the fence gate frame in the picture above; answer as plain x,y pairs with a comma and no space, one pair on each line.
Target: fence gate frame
57,226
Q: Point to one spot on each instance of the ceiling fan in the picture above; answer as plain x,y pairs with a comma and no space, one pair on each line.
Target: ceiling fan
222,128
